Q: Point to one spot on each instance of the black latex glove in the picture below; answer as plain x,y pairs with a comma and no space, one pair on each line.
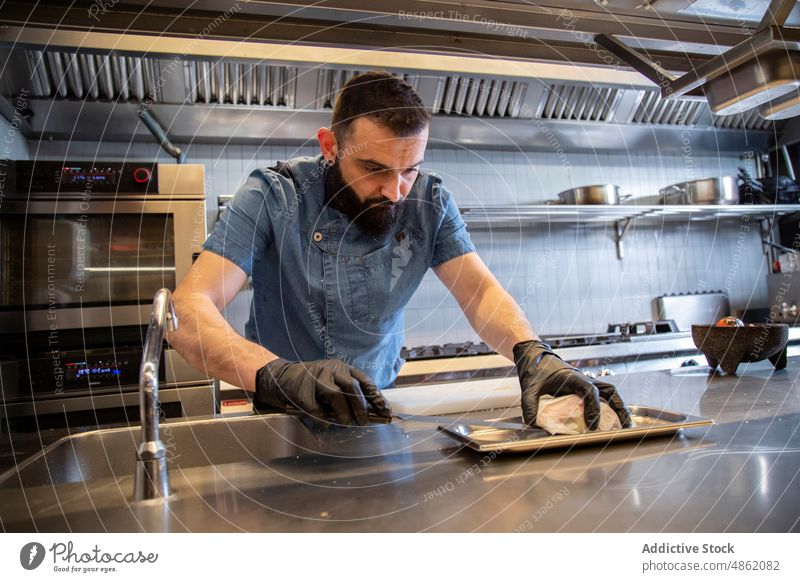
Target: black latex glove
323,389
542,372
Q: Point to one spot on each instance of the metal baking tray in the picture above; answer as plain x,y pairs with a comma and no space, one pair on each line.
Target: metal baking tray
647,422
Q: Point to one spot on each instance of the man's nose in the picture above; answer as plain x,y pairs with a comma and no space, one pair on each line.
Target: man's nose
391,188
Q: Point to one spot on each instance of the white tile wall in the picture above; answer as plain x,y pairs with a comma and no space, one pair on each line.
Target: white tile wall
566,278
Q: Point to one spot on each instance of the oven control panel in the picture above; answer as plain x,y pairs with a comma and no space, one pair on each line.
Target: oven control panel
123,178
62,372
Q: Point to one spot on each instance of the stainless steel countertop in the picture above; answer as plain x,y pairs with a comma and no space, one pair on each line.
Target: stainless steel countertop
740,475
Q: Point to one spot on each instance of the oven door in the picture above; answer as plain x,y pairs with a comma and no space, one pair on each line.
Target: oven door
74,264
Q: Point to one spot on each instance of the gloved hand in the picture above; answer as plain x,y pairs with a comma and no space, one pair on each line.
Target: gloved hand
323,389
542,372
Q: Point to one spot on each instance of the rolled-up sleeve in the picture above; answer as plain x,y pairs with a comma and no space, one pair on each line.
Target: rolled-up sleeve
244,229
452,237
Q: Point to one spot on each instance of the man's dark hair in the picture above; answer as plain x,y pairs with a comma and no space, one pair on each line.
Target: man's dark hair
385,99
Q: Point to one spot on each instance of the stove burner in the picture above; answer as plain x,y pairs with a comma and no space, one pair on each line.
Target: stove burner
643,327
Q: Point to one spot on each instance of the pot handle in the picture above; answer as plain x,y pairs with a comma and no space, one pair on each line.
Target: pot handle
623,197
674,189
671,191
554,201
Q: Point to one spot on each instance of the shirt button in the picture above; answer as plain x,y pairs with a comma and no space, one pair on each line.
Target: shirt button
317,236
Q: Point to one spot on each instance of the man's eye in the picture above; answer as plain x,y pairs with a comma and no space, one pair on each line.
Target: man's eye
411,171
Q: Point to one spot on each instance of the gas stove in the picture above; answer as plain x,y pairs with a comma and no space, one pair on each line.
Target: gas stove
617,332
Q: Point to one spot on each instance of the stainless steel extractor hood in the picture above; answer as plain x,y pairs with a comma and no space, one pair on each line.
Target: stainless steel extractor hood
81,84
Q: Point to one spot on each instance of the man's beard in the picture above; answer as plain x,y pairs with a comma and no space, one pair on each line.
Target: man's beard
374,217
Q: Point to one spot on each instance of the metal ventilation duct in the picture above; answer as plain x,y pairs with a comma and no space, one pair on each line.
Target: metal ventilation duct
652,108
763,67
88,76
749,120
783,108
479,97
235,92
239,83
580,103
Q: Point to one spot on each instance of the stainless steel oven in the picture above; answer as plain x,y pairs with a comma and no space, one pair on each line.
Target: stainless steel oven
84,247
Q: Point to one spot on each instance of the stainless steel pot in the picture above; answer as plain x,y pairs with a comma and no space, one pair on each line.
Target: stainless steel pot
595,194
720,191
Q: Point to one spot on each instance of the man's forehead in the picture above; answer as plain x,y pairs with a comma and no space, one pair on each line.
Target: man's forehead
372,135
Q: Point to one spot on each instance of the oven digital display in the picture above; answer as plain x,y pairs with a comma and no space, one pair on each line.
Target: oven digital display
95,372
60,372
79,175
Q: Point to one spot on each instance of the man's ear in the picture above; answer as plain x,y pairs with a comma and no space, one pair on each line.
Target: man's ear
327,144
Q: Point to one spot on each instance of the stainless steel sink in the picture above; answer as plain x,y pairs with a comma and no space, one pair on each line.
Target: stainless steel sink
111,453
257,473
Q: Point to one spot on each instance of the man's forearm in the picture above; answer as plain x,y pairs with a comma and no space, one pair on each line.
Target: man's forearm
500,322
209,343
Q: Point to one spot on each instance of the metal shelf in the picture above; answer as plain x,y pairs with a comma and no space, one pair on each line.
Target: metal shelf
600,213
621,216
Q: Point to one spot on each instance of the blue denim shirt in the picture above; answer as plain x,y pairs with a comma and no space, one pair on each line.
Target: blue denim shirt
321,287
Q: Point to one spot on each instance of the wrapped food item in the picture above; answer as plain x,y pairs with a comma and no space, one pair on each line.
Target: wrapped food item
564,415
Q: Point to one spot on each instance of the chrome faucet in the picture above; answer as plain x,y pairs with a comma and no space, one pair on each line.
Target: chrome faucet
152,477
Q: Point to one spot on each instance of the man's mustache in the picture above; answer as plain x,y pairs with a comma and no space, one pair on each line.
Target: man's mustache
342,191
381,203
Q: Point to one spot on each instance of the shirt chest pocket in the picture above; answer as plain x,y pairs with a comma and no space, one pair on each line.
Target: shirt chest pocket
394,273
352,300
365,290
